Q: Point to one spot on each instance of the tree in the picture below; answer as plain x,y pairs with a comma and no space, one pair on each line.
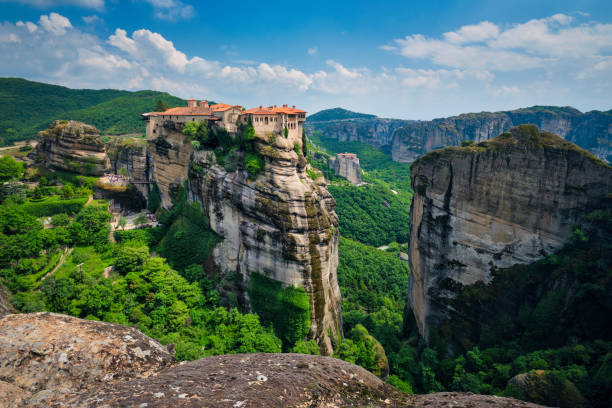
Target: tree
10,168
37,193
60,220
122,222
141,219
253,164
67,191
285,132
161,106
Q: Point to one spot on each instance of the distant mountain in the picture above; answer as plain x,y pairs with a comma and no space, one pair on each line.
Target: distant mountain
337,114
27,107
407,140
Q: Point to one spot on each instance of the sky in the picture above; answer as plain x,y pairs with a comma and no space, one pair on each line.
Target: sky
398,59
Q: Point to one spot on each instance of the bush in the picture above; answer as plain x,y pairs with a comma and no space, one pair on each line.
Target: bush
52,206
253,164
60,220
10,168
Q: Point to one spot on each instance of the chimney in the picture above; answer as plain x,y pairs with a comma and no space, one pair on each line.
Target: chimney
293,107
274,106
285,105
191,103
260,107
203,104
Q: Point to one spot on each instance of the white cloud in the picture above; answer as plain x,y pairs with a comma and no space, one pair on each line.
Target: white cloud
55,23
535,43
312,51
92,4
473,33
171,10
476,67
91,19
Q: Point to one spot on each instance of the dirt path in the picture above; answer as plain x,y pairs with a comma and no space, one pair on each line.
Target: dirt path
63,258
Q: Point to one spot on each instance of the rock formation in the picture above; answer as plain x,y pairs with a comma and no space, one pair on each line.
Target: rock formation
44,354
374,131
5,305
69,362
346,165
72,146
411,139
282,224
510,200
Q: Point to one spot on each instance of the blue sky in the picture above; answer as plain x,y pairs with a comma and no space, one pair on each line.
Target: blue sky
394,59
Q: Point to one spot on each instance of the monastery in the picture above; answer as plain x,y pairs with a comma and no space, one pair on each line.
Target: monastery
271,119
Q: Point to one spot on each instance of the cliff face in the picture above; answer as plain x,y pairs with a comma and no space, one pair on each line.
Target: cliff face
410,139
374,131
502,202
281,225
72,146
346,165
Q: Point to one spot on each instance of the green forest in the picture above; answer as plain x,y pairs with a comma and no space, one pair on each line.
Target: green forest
27,107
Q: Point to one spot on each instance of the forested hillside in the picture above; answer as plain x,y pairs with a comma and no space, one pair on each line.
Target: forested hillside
27,107
337,114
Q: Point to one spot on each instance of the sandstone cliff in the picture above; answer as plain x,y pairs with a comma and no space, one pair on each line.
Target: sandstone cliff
72,146
52,360
282,224
411,139
346,165
506,201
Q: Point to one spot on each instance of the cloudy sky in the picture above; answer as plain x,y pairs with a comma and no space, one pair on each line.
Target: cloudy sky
393,59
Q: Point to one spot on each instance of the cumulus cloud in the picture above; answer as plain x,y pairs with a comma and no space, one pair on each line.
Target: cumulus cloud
533,44
312,51
55,23
92,4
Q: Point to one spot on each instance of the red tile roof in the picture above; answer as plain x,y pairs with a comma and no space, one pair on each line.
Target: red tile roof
222,107
183,111
273,110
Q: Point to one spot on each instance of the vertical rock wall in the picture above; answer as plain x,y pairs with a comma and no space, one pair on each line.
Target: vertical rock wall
282,224
506,201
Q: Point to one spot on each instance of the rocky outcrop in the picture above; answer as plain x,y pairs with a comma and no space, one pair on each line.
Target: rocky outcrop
410,139
510,200
374,131
51,360
128,156
46,354
72,146
546,387
281,224
346,165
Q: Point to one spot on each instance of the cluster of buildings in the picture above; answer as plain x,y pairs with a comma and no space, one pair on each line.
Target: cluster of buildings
271,119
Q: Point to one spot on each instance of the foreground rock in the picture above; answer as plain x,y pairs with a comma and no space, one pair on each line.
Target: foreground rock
507,201
268,380
45,354
72,146
51,360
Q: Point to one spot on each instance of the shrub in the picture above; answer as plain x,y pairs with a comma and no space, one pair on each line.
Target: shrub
253,164
10,168
52,206
60,220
